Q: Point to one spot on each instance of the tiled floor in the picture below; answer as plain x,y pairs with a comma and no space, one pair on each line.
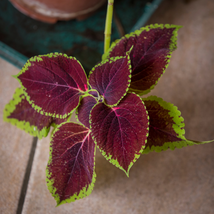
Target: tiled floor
14,147
171,182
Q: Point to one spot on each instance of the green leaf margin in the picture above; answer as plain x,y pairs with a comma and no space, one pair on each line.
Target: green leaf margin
109,157
172,47
25,68
110,60
83,193
11,106
178,128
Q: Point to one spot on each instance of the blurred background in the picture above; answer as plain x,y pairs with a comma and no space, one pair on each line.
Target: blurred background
170,182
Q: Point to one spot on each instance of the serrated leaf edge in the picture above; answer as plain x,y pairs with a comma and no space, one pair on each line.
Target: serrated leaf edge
138,32
25,68
129,81
173,45
178,127
108,157
110,60
83,193
54,125
23,125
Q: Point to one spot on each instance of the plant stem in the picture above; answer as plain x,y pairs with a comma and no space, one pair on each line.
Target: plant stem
108,25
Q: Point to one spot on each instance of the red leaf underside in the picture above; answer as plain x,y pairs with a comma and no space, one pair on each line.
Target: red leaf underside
120,132
111,79
54,84
71,165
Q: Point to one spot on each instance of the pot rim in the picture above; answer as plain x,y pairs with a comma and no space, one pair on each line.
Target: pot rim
53,15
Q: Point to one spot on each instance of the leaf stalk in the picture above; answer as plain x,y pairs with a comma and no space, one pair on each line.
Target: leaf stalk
108,25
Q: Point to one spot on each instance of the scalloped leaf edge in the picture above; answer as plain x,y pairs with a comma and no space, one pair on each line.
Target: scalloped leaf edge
178,127
172,47
25,126
145,28
113,161
83,193
25,67
110,60
174,145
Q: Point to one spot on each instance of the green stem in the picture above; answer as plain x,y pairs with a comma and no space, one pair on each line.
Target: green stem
108,25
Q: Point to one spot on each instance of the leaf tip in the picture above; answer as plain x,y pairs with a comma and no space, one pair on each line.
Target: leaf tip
15,76
127,172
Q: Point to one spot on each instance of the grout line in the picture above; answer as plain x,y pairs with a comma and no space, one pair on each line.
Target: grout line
27,176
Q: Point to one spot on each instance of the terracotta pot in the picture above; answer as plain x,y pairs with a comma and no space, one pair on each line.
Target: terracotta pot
52,10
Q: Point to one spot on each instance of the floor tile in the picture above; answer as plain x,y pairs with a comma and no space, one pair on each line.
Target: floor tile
179,181
14,147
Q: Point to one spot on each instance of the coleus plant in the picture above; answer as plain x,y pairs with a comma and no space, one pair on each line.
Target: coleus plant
112,116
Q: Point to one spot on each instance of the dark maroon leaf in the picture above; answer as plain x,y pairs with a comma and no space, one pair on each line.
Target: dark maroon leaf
94,93
120,132
25,112
111,79
166,126
152,48
58,121
53,83
21,114
86,104
70,170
